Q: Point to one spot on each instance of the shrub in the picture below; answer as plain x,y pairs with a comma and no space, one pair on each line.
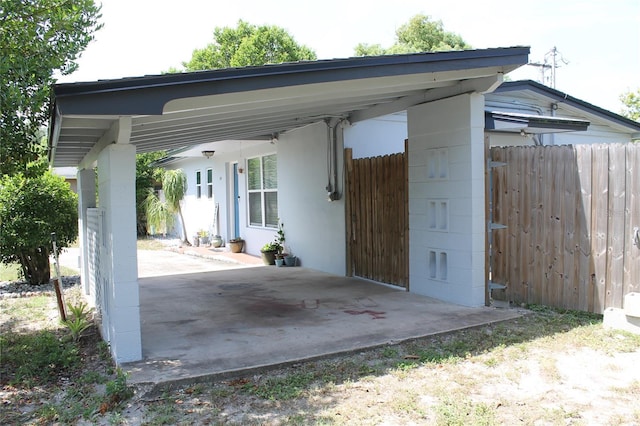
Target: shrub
31,208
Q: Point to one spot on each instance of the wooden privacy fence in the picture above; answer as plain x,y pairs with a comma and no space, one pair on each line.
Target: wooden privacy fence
377,218
572,215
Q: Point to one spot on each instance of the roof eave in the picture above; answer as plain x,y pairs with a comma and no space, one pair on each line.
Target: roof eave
561,97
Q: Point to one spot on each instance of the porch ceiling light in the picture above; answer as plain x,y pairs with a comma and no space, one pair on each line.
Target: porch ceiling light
208,154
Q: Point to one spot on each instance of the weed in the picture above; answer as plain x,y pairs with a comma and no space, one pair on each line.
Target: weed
390,352
281,388
461,411
163,412
80,321
38,358
117,391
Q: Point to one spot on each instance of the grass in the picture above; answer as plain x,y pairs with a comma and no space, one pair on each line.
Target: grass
47,375
440,380
12,272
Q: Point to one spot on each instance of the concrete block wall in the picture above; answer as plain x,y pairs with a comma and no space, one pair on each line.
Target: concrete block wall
116,186
447,199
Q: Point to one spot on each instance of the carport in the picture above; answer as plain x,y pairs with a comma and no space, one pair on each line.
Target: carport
105,123
208,324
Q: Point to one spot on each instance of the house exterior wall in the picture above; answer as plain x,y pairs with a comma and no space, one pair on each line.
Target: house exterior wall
386,135
199,214
447,199
379,136
314,227
599,131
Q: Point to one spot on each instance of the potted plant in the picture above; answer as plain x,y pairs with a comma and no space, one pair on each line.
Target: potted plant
203,236
269,252
236,245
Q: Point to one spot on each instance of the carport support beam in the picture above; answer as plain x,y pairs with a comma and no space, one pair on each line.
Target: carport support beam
116,186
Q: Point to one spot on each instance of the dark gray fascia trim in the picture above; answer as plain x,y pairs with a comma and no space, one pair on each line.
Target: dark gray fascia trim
553,124
148,95
561,97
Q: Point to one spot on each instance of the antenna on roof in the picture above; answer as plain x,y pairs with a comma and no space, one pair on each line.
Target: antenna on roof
550,56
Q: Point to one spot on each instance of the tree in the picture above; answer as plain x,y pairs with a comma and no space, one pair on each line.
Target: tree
420,34
37,39
248,45
31,208
631,101
160,213
146,178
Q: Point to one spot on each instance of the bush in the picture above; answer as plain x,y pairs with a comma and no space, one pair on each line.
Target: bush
31,208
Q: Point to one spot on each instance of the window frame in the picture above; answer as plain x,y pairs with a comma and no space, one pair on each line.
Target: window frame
262,191
198,184
209,174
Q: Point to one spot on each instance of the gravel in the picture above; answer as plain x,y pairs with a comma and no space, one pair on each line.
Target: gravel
16,289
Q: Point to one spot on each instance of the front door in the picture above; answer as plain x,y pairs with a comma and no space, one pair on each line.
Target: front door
236,202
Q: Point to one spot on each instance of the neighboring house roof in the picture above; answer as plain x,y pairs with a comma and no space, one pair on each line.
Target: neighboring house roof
509,122
175,110
558,97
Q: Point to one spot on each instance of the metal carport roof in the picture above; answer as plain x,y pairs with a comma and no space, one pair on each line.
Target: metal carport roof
175,110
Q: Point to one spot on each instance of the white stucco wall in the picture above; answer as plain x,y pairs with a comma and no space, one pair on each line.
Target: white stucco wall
386,135
379,136
200,213
600,130
446,200
314,227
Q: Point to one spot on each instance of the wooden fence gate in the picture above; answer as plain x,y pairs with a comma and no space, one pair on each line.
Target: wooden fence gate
377,218
572,216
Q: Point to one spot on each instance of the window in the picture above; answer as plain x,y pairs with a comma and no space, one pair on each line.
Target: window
262,186
198,184
209,183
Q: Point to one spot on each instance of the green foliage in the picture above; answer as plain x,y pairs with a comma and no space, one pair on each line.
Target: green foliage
281,388
78,321
35,359
174,186
117,390
31,208
420,34
248,45
160,214
158,217
37,38
631,101
146,178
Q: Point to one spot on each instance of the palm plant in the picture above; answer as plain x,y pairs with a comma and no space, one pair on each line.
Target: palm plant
160,214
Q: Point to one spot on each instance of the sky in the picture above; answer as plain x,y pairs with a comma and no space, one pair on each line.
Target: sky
598,42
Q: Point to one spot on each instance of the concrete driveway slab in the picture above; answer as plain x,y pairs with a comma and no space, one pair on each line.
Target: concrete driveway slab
200,325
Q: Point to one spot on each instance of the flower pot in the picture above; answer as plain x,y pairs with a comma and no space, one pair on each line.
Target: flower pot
279,262
236,246
290,260
216,241
269,257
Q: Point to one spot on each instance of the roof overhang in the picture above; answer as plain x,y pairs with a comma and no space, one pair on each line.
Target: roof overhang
507,122
175,110
578,106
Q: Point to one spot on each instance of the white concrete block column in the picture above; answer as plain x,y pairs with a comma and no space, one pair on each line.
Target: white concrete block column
116,188
86,200
447,199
